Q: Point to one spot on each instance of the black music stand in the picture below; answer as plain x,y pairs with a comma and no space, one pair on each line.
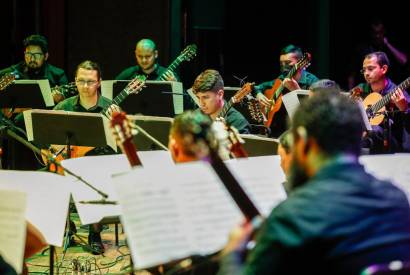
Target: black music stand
27,94
157,127
46,127
158,98
259,146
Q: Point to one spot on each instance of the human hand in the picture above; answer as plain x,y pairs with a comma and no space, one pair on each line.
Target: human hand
400,100
169,76
291,84
238,238
112,109
263,100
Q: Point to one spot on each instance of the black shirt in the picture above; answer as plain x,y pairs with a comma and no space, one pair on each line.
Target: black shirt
133,71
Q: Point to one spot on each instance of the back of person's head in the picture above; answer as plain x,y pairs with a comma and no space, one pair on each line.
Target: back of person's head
332,120
325,85
185,127
89,65
208,80
36,40
381,58
292,49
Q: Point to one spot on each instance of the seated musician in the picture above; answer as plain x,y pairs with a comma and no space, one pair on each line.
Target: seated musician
209,89
302,79
89,99
338,219
375,71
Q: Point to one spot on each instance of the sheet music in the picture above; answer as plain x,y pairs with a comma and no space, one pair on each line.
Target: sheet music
97,171
291,100
12,227
48,198
262,179
177,97
178,212
393,167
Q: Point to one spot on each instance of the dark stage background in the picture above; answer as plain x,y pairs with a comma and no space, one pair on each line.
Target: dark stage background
236,37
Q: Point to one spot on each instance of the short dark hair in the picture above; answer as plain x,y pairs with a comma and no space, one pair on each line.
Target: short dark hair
36,40
381,57
187,124
324,85
208,80
292,49
333,120
286,141
89,65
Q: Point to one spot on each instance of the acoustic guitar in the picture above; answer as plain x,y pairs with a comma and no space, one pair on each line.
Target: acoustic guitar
375,103
274,94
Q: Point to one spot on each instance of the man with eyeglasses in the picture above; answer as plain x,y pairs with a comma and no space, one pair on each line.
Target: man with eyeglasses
89,99
35,66
375,69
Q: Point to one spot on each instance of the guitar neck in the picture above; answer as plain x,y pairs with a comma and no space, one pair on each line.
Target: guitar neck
387,97
290,74
171,68
130,151
118,99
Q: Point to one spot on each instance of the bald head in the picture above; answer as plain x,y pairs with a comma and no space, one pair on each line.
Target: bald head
146,54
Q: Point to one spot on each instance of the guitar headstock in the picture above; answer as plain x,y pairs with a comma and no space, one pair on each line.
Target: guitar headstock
136,84
255,109
122,131
6,80
304,62
188,53
245,90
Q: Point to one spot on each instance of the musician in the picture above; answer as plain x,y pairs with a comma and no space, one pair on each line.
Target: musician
146,54
35,66
337,219
375,71
209,89
289,56
89,99
285,154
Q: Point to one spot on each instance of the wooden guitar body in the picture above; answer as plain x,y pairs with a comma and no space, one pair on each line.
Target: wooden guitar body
370,100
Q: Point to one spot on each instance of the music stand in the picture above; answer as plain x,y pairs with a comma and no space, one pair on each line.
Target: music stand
292,100
27,94
259,146
157,127
45,127
158,98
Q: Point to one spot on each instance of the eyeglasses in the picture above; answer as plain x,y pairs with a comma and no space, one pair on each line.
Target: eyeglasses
88,82
35,55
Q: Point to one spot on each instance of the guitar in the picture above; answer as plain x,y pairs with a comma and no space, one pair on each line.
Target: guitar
61,92
275,93
375,103
237,97
121,129
60,152
6,80
186,55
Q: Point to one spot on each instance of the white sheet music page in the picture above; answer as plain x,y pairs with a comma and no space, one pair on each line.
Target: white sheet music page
393,167
48,197
262,179
174,213
12,227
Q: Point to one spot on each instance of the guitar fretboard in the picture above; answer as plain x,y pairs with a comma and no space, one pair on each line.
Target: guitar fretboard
387,97
171,68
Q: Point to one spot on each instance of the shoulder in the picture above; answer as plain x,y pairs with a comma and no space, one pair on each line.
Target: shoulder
309,77
55,70
8,70
236,119
127,73
66,104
